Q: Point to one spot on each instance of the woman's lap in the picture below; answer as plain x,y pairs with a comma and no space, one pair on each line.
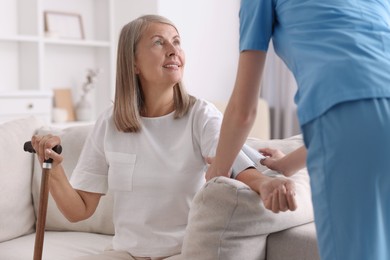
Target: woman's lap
110,254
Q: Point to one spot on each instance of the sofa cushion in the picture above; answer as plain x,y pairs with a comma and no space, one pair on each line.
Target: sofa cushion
222,223
285,145
57,246
297,243
72,141
227,219
16,208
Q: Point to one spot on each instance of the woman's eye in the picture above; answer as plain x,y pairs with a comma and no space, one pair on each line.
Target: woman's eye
158,42
176,42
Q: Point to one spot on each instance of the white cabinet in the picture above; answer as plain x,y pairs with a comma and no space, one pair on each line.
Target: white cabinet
37,62
15,105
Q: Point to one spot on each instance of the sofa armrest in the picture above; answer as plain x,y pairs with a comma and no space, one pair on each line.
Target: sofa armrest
227,220
16,207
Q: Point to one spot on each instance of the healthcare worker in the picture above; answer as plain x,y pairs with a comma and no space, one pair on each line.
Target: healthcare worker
339,53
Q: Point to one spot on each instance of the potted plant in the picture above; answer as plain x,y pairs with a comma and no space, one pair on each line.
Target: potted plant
83,106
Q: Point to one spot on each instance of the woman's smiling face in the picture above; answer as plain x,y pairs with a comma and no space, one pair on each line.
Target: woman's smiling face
159,59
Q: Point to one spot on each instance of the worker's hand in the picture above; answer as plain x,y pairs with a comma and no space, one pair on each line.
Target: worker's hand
273,160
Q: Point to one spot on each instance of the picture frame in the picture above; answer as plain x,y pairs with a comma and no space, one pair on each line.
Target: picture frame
63,25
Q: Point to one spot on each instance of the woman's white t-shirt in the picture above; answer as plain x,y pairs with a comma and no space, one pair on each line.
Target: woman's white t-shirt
153,175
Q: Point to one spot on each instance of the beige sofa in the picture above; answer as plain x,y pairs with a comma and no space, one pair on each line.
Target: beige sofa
227,220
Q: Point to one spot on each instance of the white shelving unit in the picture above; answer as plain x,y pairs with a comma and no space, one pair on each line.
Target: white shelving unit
31,63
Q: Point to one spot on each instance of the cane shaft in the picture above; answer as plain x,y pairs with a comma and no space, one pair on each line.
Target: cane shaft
42,210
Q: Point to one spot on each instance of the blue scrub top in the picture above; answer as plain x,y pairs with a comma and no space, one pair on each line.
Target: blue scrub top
338,50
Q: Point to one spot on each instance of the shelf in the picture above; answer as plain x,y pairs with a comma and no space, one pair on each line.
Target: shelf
19,38
35,39
25,93
31,60
85,43
19,65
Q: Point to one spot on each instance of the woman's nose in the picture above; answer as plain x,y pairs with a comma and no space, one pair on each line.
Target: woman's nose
172,50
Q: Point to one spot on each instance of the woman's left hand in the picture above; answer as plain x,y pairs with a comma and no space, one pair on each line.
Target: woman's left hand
278,194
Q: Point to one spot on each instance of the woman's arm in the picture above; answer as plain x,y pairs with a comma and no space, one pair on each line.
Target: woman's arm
75,205
277,194
240,112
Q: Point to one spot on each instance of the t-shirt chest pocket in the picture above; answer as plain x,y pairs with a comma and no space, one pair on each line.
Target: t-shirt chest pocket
120,171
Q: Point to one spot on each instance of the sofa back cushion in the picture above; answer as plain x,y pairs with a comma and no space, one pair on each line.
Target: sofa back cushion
16,209
72,141
286,145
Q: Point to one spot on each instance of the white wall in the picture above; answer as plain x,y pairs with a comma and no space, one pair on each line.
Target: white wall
127,10
209,32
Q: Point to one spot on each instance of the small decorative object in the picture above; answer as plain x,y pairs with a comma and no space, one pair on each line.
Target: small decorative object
63,25
63,99
59,115
84,107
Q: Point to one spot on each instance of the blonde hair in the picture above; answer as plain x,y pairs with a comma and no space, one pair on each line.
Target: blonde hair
129,98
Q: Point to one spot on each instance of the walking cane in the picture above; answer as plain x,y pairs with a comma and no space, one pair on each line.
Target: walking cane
43,200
